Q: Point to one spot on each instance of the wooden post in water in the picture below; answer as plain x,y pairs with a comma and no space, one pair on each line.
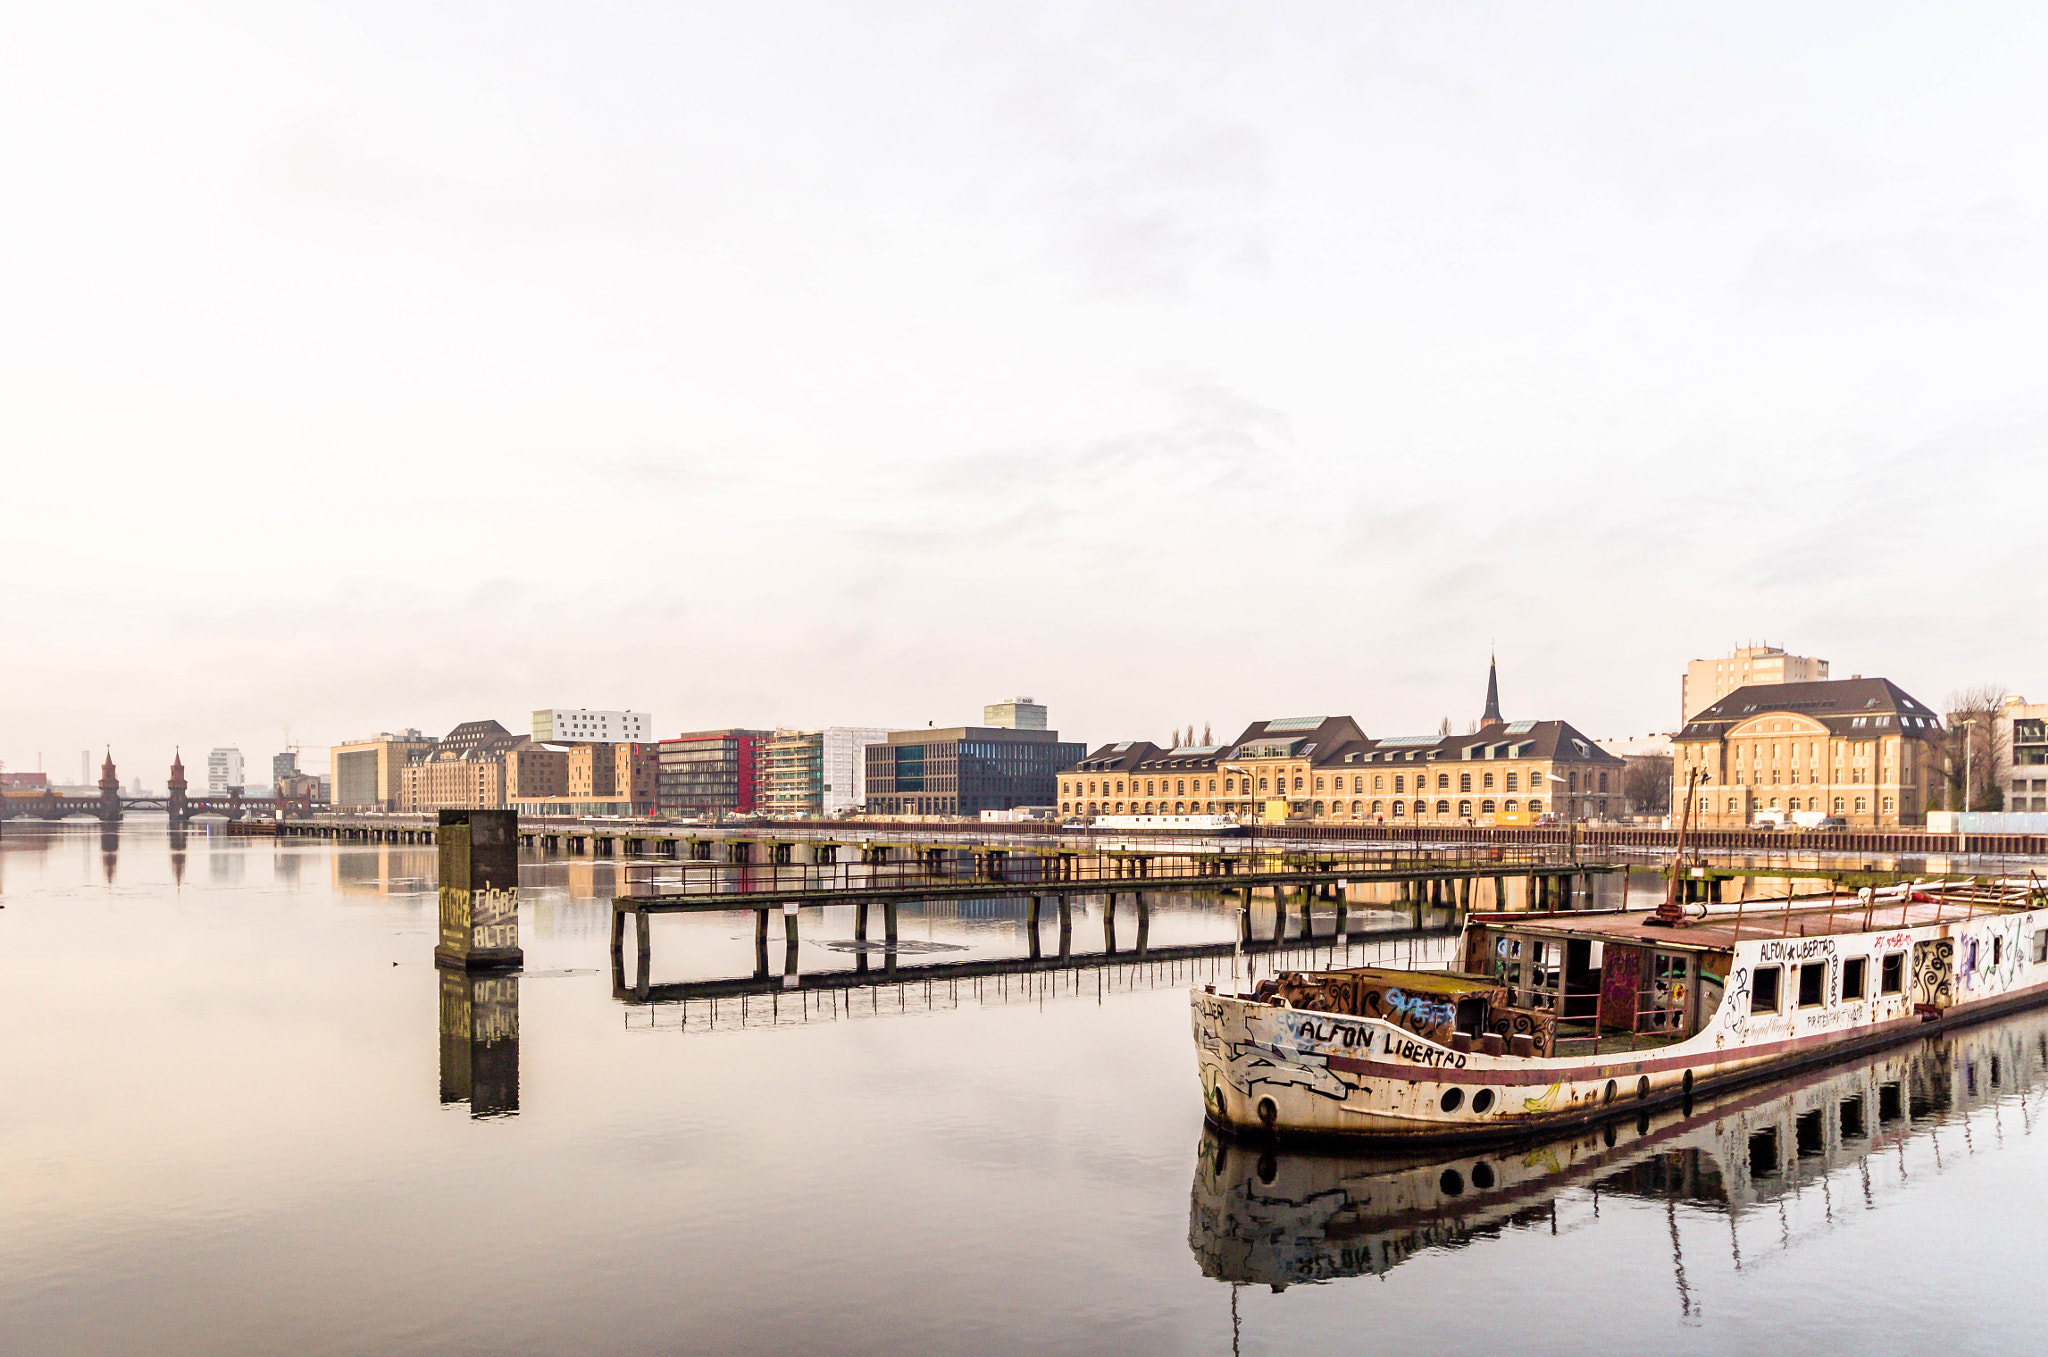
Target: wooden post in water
889,926
479,890
1144,921
860,922
1066,926
1109,923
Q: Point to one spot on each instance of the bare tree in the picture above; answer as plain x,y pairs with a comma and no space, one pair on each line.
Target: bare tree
1975,749
1207,738
1444,726
1646,783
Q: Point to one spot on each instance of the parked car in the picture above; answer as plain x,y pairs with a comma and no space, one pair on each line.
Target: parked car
1832,822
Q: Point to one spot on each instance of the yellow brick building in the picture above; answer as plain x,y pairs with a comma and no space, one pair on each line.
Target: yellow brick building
1858,748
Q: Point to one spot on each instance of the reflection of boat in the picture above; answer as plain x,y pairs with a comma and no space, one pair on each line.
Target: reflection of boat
1260,1215
1553,1019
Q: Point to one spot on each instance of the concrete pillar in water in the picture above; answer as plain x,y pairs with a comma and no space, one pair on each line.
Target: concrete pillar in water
1031,927
1144,921
479,890
1109,923
480,1041
1066,927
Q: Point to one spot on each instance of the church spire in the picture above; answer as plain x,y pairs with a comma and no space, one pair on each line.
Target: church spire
1492,716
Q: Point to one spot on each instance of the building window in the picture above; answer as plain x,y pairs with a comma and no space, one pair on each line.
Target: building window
1838,803
1400,783
1535,806
1356,808
1486,781
1297,782
1464,782
1422,807
1513,783
1319,784
1397,815
1465,810
1861,805
1379,782
1316,810
1443,808
1229,785
1262,784
1486,807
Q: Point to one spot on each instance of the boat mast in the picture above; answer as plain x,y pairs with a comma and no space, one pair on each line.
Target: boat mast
1669,914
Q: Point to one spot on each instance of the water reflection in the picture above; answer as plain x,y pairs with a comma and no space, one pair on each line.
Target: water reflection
480,1042
1275,1218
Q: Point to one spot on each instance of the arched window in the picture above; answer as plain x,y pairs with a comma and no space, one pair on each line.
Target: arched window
1509,806
1400,807
1262,784
1357,808
1400,782
1297,782
1379,782
1535,806
1119,808
1180,788
1148,807
1212,807
1486,781
1316,810
1443,782
1464,782
1091,808
1465,809
1319,784
1887,803
1862,804
1838,805
1379,808
1422,807
1443,808
1486,807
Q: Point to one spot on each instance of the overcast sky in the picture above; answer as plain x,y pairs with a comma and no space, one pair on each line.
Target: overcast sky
374,365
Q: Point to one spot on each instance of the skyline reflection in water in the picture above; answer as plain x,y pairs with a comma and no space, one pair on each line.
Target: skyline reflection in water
239,1100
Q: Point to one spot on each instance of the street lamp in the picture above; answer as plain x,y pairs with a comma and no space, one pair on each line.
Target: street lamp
1969,757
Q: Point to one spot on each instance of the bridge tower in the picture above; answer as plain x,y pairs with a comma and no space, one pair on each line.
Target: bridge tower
175,801
110,791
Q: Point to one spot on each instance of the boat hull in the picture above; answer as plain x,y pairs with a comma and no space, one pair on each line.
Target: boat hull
1279,1072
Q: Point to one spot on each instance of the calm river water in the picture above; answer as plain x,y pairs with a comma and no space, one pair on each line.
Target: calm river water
223,1130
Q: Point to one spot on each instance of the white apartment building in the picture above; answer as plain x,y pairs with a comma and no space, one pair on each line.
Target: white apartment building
2022,746
223,770
844,766
1708,681
1014,713
581,725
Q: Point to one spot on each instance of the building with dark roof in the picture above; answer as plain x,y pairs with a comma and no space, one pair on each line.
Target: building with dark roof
1860,748
1325,770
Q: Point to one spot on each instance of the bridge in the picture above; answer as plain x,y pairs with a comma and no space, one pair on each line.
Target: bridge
112,803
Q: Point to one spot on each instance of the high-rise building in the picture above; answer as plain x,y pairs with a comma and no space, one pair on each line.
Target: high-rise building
283,766
579,725
816,772
369,774
1014,713
711,771
1708,681
966,770
223,771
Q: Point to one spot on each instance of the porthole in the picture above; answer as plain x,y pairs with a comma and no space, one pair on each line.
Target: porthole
1452,1183
1482,1176
1482,1101
1611,1090
1643,1087
1269,1112
1453,1099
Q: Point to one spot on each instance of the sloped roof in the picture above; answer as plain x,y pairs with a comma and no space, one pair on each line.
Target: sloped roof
1835,703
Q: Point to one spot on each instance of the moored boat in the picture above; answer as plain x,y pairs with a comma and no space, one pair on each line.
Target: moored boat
1556,1019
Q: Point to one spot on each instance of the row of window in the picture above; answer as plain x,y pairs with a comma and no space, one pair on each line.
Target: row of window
1812,803
1397,809
1179,786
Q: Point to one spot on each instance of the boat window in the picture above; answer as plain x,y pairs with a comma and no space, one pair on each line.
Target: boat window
1763,994
1853,978
1891,977
1813,984
2041,945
